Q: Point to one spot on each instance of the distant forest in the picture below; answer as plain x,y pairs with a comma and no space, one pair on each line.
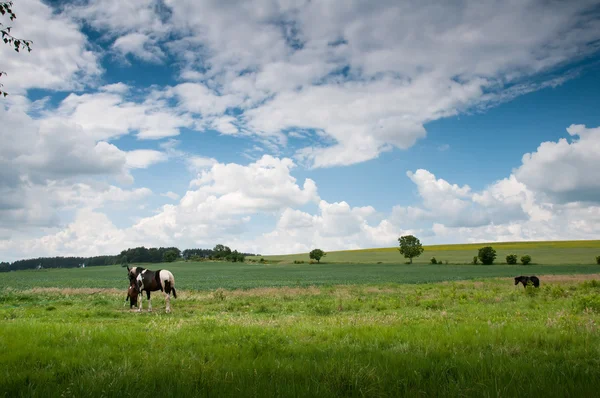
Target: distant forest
129,256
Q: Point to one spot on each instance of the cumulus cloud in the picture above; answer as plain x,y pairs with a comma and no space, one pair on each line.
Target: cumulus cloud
106,115
144,158
51,163
343,81
90,234
336,226
369,78
139,45
171,195
224,199
563,169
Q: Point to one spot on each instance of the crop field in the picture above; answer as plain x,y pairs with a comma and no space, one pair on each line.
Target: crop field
306,330
548,253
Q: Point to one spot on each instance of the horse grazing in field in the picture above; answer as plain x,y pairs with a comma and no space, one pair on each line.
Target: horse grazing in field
151,281
525,280
132,295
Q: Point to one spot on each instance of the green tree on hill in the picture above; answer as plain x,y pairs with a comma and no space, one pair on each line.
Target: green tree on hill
317,254
410,246
487,255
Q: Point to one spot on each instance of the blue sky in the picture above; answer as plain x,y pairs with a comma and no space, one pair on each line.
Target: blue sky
278,127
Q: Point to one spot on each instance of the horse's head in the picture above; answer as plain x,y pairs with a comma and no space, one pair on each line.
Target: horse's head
133,272
518,279
139,285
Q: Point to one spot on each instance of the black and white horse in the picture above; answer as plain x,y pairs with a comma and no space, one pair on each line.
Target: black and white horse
151,281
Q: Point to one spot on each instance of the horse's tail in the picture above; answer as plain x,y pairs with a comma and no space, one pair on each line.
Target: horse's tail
170,285
170,288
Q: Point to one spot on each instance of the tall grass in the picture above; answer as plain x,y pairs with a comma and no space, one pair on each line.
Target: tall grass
485,338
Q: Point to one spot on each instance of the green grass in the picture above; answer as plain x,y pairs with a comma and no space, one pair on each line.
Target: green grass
281,329
549,253
484,338
212,275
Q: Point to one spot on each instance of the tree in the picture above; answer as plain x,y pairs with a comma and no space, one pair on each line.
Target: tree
410,247
317,254
487,255
170,256
8,38
511,259
221,251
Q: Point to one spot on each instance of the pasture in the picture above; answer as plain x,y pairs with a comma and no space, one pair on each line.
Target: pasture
261,330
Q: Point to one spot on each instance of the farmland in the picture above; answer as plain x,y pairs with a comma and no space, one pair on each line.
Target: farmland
548,253
284,329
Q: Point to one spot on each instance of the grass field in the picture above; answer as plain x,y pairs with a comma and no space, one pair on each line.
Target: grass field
306,330
213,275
483,338
559,252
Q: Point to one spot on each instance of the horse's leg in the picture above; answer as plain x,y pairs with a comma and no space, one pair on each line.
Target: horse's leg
168,301
140,296
149,301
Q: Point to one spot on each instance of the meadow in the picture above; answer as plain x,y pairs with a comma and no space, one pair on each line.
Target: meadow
306,330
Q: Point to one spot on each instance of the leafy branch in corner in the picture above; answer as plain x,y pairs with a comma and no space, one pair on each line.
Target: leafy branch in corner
8,38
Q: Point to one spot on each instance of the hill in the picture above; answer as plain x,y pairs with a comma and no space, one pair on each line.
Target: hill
542,252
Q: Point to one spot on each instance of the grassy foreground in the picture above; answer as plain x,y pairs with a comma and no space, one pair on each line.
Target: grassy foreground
547,252
483,338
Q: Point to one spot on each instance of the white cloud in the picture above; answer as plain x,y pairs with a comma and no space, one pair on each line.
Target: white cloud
227,196
197,163
336,226
106,115
171,195
117,17
144,158
563,169
370,78
92,233
120,88
139,45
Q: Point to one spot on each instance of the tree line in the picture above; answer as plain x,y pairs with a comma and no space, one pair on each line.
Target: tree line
130,256
58,262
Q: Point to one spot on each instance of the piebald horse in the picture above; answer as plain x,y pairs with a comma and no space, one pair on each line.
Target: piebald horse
151,281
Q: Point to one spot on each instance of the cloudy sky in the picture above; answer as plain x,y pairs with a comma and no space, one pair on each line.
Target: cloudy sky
278,126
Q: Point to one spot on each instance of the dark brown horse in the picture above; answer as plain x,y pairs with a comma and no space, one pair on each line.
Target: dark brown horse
525,280
151,281
132,295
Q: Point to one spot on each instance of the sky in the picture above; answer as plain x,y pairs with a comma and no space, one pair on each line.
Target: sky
280,126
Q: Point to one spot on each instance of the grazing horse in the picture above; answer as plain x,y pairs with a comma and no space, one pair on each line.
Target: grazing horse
132,295
151,281
526,279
